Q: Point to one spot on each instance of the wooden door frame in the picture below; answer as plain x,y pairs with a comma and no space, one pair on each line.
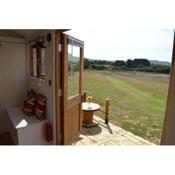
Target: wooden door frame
64,83
81,80
168,132
58,88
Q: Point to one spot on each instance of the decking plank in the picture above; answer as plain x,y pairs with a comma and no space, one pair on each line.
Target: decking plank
108,135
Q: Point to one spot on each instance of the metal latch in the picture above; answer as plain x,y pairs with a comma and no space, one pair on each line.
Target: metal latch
59,92
82,98
60,47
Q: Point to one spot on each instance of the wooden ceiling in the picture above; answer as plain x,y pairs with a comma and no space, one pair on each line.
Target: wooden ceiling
25,33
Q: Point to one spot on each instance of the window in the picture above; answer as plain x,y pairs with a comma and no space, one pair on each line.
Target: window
73,69
37,65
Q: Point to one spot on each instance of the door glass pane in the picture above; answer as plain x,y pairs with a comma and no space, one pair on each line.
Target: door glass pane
73,69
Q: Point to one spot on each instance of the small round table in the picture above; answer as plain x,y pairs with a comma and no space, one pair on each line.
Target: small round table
88,109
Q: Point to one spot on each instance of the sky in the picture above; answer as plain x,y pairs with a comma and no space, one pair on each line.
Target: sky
102,44
111,29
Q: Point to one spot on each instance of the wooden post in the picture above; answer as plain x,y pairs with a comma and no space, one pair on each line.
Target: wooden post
84,96
107,111
168,133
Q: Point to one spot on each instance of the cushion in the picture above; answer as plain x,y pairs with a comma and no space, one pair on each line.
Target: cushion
40,108
29,103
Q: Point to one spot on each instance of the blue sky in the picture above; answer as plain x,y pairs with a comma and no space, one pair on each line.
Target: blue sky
153,44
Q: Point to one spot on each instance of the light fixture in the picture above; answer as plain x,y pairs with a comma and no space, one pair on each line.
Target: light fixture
38,44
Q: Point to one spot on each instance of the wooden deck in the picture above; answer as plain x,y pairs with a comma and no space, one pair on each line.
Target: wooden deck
108,135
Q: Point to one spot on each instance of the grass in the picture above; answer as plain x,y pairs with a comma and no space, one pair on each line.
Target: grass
137,100
73,85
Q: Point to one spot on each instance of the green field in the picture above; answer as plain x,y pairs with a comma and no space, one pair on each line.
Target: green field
137,100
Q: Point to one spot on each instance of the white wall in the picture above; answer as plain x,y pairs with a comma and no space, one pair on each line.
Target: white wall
15,79
13,84
42,86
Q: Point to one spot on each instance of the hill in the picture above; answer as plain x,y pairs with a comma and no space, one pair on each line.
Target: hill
156,62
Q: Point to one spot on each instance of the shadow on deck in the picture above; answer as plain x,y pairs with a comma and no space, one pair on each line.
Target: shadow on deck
108,135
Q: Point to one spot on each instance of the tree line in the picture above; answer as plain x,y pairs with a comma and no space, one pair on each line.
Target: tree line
138,64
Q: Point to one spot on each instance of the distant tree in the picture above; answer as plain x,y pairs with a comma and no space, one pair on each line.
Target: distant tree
101,62
87,63
97,67
141,62
161,69
129,63
119,63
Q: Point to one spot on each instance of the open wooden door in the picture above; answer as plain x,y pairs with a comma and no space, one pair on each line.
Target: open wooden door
72,68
